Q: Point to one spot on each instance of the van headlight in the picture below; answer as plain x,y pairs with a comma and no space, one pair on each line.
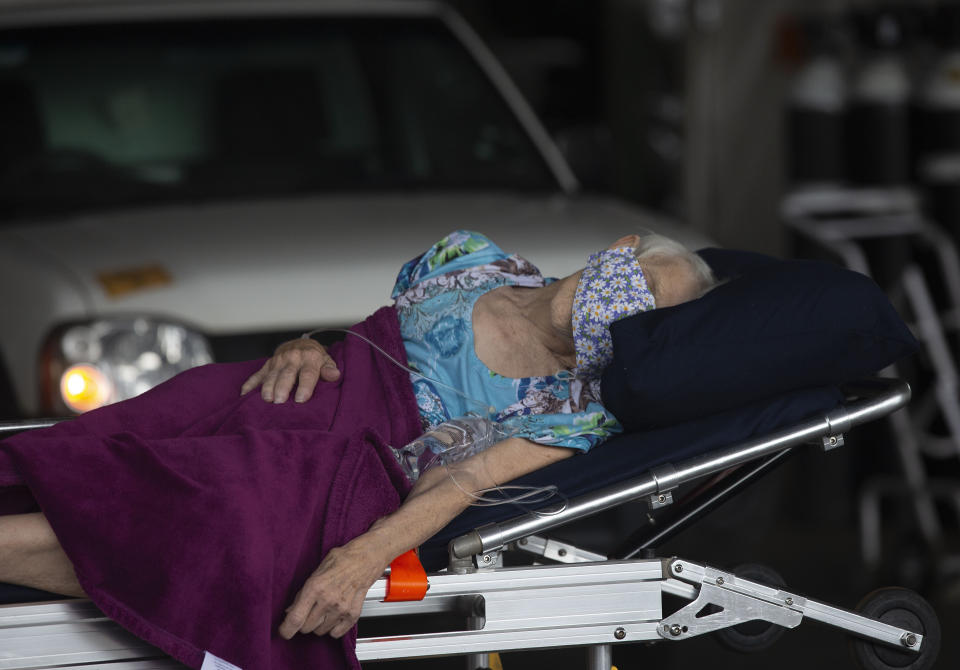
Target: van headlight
88,365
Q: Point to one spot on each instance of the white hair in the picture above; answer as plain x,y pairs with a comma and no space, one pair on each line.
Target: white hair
653,244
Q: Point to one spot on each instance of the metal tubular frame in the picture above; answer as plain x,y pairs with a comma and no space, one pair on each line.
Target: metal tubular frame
603,604
769,604
71,633
8,428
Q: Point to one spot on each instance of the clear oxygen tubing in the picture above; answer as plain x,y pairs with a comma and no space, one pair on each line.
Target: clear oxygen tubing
457,439
530,495
487,409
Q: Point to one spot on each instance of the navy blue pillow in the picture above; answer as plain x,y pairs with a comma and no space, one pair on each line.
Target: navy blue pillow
773,327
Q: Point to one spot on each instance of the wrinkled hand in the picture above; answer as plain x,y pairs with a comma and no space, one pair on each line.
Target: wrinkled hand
331,599
302,362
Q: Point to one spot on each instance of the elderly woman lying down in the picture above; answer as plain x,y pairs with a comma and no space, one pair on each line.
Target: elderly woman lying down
129,517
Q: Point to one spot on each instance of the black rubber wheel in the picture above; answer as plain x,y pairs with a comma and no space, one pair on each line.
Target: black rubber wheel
753,636
905,609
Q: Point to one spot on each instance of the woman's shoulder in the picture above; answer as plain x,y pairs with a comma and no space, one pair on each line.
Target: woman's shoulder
458,251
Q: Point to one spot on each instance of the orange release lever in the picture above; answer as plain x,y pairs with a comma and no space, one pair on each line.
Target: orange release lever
407,579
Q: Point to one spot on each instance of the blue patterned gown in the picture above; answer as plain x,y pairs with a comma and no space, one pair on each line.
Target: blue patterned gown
435,294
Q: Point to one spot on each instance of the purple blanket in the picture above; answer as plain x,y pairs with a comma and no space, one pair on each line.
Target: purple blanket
193,515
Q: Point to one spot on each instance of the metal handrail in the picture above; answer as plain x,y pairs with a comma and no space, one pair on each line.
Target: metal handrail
877,398
11,427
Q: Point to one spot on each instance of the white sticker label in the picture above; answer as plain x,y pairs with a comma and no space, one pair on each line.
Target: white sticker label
211,662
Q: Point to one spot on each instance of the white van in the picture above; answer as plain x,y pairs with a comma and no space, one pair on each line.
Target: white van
192,180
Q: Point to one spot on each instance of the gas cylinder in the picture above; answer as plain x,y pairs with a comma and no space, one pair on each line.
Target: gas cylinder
816,109
878,127
938,130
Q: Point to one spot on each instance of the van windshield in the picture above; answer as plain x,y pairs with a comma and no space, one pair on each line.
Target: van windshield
117,115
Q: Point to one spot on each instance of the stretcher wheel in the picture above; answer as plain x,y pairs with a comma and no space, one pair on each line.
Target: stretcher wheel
905,609
753,636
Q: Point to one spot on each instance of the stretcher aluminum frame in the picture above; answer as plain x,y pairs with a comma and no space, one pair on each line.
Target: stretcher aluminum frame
583,601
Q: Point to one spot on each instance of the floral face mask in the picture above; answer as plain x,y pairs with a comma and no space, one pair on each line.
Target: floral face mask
612,287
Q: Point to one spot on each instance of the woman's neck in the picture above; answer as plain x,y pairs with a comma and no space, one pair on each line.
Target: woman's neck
549,310
536,322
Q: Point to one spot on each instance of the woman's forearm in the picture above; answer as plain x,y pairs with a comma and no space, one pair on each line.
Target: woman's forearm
442,493
433,502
